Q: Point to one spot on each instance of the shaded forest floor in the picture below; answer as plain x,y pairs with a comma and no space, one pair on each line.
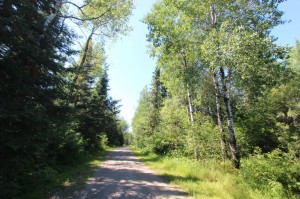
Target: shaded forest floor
68,178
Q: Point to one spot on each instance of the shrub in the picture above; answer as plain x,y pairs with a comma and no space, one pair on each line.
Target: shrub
161,144
202,140
70,149
276,173
103,141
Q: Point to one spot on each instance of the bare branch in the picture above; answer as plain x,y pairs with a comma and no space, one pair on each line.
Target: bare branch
62,25
88,18
78,7
74,4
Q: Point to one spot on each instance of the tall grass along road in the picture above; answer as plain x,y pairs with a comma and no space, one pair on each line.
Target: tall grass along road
122,176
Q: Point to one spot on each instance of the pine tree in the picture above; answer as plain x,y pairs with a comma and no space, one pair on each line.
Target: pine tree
157,94
31,81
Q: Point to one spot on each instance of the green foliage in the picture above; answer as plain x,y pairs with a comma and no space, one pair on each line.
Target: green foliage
209,50
161,143
276,173
192,40
63,180
103,141
207,178
109,17
71,144
202,140
49,118
275,117
123,131
272,175
141,129
264,134
294,57
31,79
173,124
285,103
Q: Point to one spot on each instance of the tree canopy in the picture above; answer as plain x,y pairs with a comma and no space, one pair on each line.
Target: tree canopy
231,91
54,112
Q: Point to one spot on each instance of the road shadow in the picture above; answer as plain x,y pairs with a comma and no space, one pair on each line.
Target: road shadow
123,176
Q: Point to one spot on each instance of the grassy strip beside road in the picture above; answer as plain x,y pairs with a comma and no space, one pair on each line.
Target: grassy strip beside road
67,180
204,179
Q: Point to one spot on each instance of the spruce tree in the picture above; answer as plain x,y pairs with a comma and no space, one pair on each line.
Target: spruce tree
31,62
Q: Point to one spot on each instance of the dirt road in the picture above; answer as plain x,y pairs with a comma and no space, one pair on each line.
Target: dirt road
123,176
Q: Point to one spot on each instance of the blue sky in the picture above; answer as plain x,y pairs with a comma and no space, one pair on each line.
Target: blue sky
131,67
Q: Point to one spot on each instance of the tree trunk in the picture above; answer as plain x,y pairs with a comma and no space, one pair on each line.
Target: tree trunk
219,115
50,18
189,96
213,16
190,109
213,24
86,48
232,140
190,106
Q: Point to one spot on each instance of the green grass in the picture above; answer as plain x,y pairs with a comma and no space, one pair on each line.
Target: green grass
69,179
204,179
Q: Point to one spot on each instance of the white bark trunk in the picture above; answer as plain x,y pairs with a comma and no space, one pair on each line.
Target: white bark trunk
191,110
219,114
213,24
232,140
51,17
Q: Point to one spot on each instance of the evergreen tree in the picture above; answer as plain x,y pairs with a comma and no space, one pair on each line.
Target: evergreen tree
31,81
157,94
95,112
47,109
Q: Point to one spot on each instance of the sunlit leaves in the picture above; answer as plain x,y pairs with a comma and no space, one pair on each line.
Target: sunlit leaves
108,17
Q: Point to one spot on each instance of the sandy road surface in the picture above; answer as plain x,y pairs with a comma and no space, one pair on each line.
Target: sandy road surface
123,176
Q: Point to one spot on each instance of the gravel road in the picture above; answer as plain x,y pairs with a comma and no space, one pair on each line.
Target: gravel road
123,176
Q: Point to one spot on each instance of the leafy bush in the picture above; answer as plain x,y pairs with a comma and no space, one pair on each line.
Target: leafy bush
161,144
70,149
103,141
276,172
202,140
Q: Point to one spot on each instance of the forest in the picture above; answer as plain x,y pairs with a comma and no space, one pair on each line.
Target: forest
55,108
223,90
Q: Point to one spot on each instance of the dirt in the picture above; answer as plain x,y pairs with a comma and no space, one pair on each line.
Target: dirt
123,176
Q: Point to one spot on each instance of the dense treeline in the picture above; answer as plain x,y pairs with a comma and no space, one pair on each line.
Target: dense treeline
53,110
222,89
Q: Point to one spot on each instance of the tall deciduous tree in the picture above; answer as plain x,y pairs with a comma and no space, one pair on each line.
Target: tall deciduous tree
226,37
141,129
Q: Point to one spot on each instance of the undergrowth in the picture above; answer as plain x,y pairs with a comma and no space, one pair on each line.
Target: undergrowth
65,180
206,178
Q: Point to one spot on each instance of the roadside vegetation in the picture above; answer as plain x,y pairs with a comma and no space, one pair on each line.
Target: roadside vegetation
66,180
222,91
209,178
56,114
